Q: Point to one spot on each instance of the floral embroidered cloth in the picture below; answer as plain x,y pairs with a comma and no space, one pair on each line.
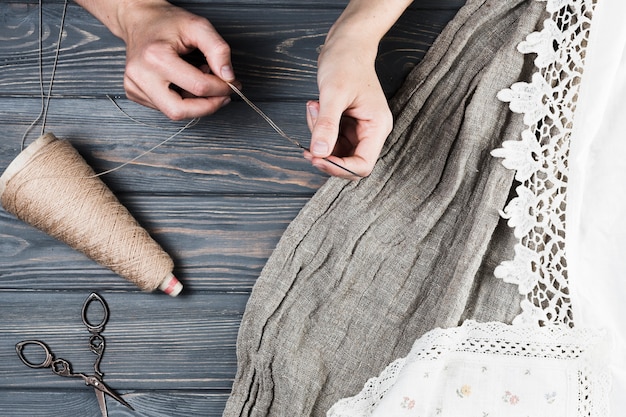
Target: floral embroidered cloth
369,266
483,129
596,225
560,368
489,369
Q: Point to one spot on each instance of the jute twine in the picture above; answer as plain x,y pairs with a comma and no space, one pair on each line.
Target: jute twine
51,187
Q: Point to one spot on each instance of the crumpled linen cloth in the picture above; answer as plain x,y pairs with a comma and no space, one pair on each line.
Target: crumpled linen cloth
367,267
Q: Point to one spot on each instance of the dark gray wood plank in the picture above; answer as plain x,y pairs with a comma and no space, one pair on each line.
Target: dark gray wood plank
218,243
217,197
232,151
82,403
274,49
424,4
153,342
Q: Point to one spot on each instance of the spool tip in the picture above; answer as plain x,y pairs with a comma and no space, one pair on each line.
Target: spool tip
171,285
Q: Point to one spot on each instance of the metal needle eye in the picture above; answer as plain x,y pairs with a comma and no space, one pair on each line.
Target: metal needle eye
279,130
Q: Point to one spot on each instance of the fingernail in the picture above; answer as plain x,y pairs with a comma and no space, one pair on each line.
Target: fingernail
320,148
226,101
313,111
227,73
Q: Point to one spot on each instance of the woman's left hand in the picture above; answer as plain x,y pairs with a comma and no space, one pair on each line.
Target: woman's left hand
351,121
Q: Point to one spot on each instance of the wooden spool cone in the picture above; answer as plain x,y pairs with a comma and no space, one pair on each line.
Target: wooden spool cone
51,187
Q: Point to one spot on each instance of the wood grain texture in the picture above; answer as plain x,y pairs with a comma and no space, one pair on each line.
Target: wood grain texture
81,402
218,243
232,151
152,342
274,49
217,198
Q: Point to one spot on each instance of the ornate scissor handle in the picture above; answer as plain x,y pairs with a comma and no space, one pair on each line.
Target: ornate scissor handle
97,328
47,362
59,366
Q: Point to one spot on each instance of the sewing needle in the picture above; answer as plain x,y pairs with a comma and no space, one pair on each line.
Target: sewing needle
279,130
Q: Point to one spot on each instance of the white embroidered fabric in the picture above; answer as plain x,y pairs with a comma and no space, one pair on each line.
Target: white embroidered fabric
541,365
489,369
596,229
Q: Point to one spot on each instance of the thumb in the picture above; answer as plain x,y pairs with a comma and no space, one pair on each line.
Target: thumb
324,122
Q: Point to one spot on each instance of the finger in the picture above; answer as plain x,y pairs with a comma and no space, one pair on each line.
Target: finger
370,142
170,103
136,94
337,167
364,155
215,49
357,148
353,154
326,127
178,108
312,111
192,79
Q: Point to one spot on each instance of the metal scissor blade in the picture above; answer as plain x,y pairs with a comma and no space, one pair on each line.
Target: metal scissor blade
116,397
101,402
101,388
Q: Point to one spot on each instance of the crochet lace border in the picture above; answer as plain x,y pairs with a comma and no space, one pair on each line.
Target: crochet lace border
540,159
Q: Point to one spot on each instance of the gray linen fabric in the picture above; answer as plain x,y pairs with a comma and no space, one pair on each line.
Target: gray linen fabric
367,267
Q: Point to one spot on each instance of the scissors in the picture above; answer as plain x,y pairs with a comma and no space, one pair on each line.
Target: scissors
62,367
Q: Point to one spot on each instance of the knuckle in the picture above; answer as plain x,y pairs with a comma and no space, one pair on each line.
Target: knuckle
153,55
197,21
131,72
173,112
200,88
128,87
220,47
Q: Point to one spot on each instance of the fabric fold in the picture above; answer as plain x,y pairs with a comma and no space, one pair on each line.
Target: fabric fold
368,267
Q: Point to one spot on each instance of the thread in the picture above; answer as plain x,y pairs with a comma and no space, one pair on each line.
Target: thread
51,187
278,130
45,98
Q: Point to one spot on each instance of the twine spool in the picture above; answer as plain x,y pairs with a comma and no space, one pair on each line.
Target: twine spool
51,187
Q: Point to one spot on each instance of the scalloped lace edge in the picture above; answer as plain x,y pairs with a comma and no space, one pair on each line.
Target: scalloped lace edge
537,212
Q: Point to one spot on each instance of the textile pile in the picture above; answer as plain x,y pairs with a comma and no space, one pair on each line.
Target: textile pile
367,267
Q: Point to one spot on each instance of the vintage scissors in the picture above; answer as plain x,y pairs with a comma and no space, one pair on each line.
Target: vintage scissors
62,367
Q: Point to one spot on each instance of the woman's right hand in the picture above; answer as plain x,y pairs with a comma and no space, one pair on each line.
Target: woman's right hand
157,35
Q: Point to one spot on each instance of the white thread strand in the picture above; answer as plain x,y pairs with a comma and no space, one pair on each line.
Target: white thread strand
189,124
265,116
139,122
54,67
279,130
45,102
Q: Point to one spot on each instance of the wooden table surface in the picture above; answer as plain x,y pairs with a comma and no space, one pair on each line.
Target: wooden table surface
217,198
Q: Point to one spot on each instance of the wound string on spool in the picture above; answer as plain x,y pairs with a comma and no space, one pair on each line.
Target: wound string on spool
50,186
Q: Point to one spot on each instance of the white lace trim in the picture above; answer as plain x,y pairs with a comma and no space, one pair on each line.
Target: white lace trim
577,350
537,213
